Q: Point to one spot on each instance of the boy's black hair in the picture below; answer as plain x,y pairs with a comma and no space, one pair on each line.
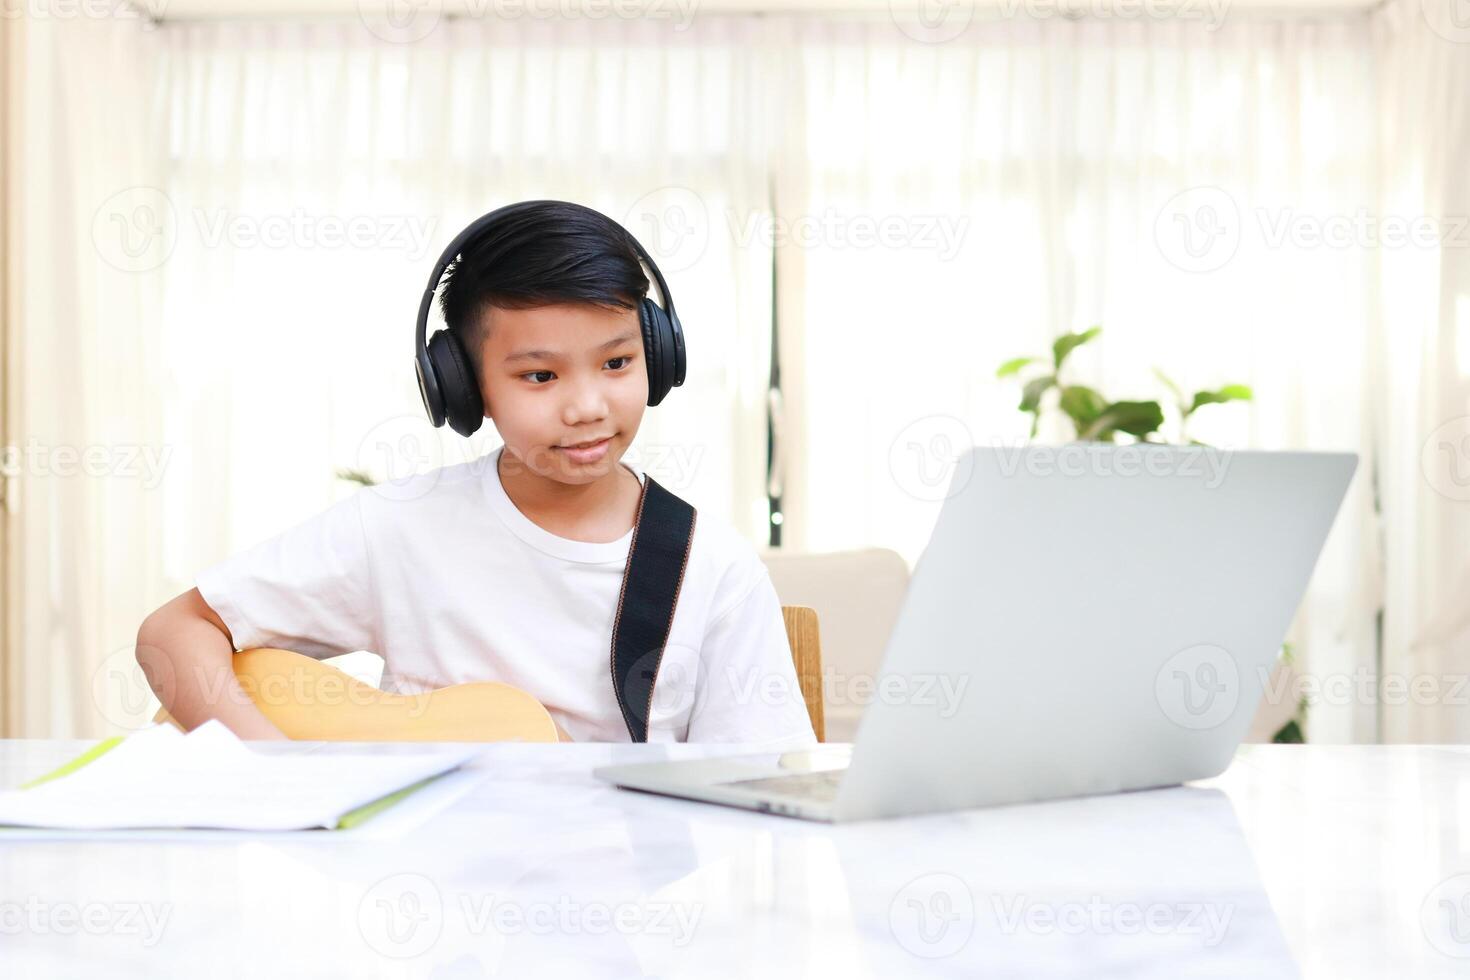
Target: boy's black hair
545,254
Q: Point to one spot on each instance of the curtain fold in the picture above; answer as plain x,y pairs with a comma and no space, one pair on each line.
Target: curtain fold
1423,369
12,130
84,450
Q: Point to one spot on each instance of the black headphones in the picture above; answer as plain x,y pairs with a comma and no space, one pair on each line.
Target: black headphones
447,382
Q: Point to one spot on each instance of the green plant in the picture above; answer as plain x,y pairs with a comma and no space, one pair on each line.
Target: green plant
1094,418
1294,732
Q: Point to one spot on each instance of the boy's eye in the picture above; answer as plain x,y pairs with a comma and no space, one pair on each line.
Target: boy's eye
532,375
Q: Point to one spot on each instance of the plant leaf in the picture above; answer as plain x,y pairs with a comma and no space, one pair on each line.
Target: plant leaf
1083,405
1229,393
1012,366
356,476
1174,389
1289,734
1135,418
1067,343
1035,388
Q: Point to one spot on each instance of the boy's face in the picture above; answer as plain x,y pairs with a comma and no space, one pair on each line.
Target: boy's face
557,376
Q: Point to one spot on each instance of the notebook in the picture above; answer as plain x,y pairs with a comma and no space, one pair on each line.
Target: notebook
161,777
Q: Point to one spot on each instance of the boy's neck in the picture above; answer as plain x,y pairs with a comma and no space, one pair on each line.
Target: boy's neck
598,512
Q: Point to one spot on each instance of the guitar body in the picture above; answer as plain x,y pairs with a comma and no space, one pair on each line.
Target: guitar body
307,699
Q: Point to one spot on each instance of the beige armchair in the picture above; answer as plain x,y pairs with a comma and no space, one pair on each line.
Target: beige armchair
856,595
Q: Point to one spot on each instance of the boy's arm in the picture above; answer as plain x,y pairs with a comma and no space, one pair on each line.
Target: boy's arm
186,653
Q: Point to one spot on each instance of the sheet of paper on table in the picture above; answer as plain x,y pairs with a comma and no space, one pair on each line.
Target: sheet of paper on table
162,778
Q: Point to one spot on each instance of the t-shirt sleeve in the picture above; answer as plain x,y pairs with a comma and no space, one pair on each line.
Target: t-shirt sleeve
308,589
749,691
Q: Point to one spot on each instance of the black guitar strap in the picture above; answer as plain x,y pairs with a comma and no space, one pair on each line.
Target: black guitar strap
652,579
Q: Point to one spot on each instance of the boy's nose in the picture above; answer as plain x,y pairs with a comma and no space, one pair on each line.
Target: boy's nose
586,403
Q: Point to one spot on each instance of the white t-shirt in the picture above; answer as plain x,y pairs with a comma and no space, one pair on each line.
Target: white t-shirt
449,582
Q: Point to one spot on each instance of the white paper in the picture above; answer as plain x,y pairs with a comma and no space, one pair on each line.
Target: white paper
209,778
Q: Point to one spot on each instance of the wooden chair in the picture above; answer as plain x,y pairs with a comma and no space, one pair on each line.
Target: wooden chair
806,651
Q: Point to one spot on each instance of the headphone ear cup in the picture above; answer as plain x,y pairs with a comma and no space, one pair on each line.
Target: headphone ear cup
658,349
464,409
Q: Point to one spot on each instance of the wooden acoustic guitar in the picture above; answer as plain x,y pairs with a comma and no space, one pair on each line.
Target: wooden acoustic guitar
307,699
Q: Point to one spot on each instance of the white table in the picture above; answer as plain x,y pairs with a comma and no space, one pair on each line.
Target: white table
1299,861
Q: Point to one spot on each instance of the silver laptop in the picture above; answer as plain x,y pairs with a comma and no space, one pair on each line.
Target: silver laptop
1085,619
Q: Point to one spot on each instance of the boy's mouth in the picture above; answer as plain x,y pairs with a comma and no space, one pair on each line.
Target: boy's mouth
585,445
587,452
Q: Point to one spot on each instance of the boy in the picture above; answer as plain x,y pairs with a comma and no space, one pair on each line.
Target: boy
509,567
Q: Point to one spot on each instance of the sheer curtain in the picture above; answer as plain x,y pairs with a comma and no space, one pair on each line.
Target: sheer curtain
84,448
1423,374
1160,180
225,244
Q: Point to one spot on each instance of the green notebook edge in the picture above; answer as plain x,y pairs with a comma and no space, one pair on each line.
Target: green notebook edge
67,768
347,821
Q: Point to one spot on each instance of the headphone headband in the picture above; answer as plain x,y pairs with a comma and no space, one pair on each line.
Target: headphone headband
484,221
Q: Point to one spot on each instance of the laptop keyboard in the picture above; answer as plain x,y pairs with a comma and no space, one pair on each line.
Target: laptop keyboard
819,787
